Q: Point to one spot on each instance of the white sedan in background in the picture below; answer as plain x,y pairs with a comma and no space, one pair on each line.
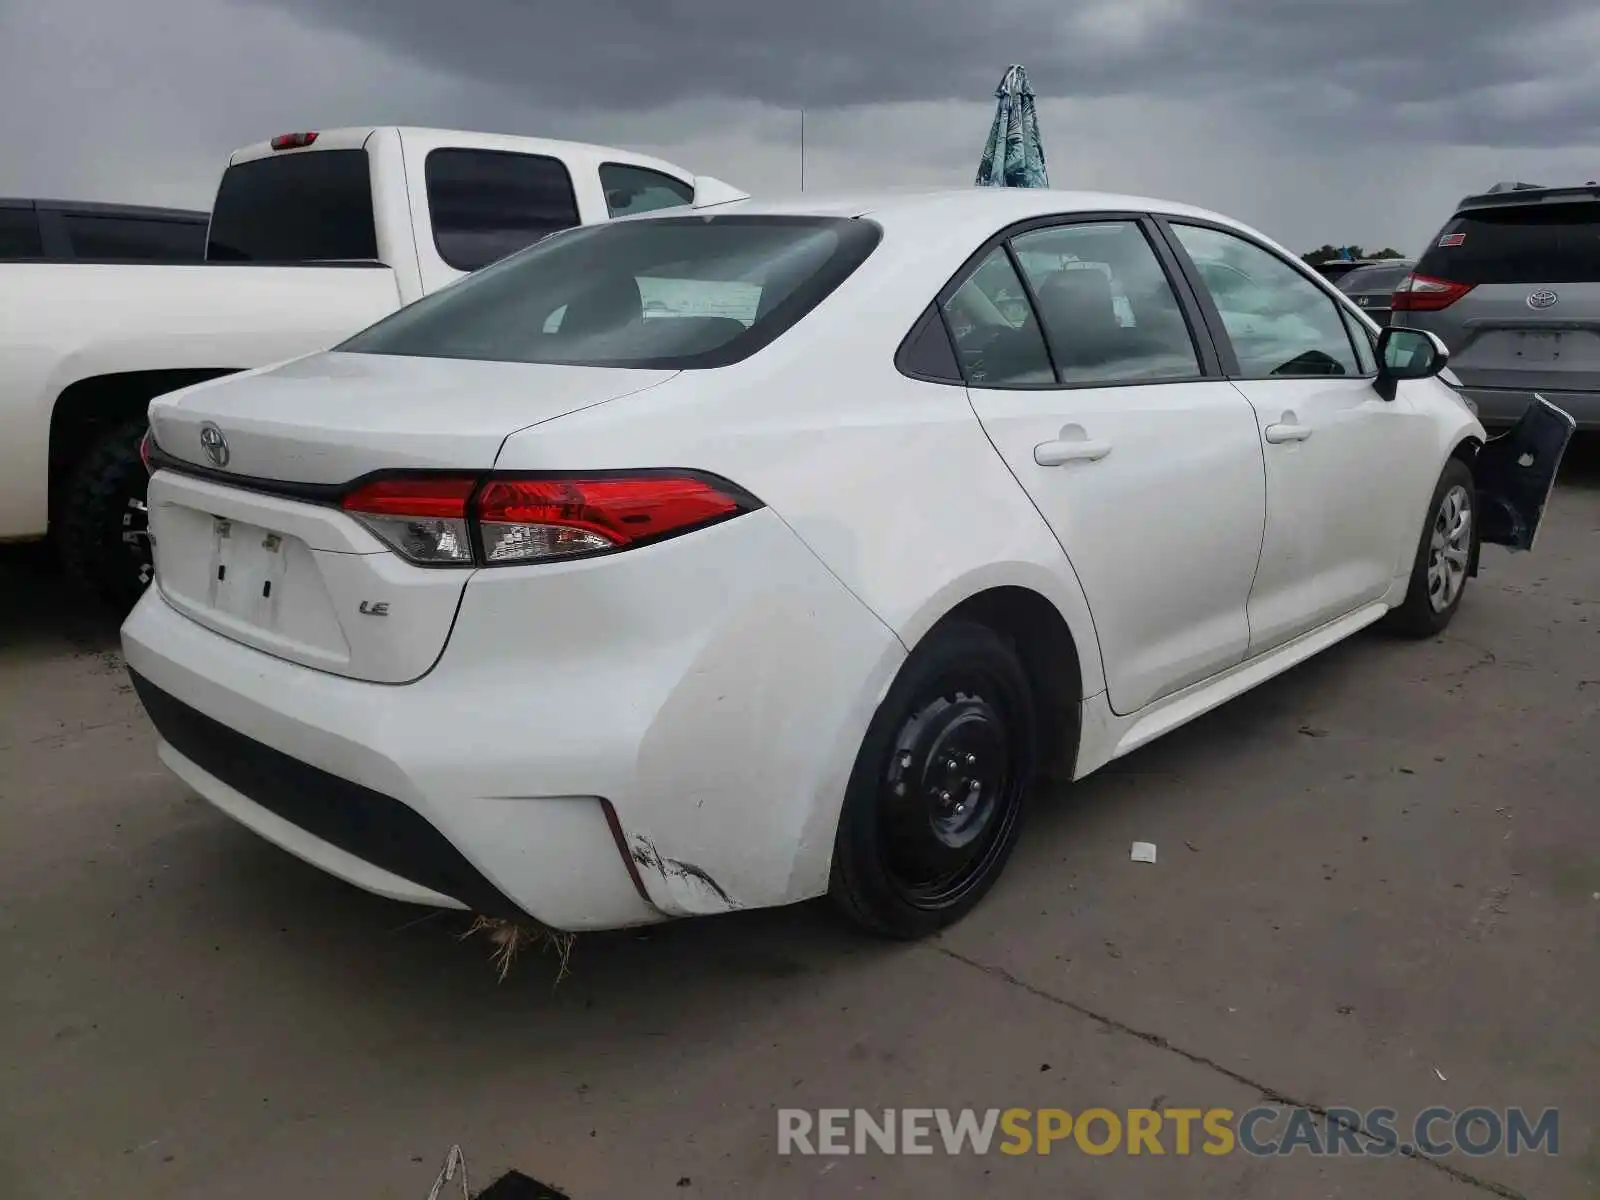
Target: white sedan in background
523,603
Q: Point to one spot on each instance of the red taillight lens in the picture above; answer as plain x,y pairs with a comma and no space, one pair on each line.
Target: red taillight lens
1423,293
293,141
144,451
430,520
422,518
526,520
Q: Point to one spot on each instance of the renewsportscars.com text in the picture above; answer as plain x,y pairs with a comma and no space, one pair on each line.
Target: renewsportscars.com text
1264,1131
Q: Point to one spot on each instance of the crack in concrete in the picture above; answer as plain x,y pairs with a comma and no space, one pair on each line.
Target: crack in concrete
1272,1095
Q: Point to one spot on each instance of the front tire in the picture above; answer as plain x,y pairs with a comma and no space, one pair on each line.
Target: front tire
1442,565
936,799
104,537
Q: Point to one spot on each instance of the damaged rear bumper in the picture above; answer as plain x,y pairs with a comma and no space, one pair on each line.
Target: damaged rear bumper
654,735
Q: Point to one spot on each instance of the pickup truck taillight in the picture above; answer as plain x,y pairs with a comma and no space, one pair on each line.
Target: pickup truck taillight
509,520
1423,293
293,141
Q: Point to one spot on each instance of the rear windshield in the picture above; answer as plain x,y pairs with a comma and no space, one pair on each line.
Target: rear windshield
1530,243
1373,279
311,206
662,292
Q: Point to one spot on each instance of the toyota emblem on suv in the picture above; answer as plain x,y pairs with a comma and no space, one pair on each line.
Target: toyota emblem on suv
1542,299
216,446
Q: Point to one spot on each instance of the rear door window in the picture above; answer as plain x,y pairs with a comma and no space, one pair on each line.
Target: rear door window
134,239
639,189
996,335
486,204
19,233
300,207
1528,243
1108,310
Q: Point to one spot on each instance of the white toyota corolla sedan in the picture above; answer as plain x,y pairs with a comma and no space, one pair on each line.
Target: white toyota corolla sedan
727,557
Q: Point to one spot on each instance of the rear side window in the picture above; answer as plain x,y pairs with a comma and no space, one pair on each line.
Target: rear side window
639,189
664,292
997,338
310,206
130,239
1109,313
19,233
486,204
1530,243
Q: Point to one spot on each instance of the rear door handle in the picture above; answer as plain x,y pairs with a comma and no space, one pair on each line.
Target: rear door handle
1278,434
1055,454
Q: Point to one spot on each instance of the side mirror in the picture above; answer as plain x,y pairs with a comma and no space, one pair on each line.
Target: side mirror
1407,354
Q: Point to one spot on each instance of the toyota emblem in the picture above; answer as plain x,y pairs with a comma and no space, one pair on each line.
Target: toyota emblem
214,444
1542,299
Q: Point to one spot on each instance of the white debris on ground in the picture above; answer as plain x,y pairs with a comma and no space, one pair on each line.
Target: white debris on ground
1144,852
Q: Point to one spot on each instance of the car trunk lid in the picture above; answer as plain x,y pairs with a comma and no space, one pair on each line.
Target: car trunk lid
249,539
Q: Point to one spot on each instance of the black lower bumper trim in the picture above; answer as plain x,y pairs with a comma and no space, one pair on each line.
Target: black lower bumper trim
370,825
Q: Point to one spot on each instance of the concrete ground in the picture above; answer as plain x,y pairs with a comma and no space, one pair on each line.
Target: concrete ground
1378,885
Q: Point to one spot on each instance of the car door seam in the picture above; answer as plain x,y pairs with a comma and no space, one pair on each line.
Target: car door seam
1054,536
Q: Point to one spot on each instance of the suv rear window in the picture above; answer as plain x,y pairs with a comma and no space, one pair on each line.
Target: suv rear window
310,206
665,292
1528,243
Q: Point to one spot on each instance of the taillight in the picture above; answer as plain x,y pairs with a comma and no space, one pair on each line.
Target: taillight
144,451
1424,293
422,518
293,141
506,520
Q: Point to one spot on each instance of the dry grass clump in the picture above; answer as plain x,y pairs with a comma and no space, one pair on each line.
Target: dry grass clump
511,938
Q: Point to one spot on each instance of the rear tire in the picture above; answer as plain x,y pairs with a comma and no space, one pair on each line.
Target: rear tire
936,799
1440,571
104,534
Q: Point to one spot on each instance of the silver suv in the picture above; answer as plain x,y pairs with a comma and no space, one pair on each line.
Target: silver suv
1512,285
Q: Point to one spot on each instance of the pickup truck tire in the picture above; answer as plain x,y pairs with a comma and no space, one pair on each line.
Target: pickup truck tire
104,539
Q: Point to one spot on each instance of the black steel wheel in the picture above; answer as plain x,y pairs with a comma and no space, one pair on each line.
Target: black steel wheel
939,789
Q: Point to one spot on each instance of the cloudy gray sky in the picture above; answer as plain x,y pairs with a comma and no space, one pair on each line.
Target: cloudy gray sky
1317,120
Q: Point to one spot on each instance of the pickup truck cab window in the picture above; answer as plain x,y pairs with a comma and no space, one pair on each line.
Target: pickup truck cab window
632,190
486,204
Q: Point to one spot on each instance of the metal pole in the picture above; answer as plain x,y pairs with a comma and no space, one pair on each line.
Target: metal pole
802,149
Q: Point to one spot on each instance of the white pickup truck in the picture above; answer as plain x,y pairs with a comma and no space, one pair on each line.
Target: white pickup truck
313,237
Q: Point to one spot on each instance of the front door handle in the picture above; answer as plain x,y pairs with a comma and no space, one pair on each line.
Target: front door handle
1057,453
1279,434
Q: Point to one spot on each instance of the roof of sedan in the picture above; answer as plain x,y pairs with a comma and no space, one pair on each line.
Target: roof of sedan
977,203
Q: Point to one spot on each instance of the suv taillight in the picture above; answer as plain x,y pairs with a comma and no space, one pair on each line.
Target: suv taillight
1424,293
506,520
144,450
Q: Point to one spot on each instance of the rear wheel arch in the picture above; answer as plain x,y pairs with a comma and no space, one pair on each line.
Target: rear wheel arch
97,517
1051,658
88,409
